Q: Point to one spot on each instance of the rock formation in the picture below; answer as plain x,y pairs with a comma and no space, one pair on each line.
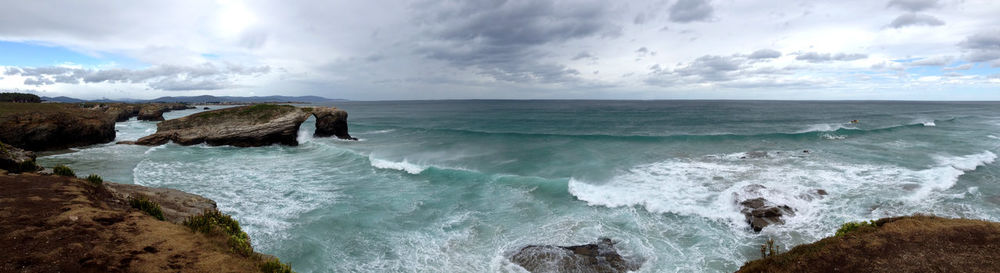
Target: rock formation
15,160
331,122
42,126
154,111
177,205
600,257
246,126
760,213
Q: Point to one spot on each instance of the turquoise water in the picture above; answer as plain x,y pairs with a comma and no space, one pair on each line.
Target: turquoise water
455,186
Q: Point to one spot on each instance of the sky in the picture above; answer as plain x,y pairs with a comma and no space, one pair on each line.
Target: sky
514,49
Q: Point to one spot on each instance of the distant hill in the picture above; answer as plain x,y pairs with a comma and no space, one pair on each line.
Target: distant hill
62,99
204,99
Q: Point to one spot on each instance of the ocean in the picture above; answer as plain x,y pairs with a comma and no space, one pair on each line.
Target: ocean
457,186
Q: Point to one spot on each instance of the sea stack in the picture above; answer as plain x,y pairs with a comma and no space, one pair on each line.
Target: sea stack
331,122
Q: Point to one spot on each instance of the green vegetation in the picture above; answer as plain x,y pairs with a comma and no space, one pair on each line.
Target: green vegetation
95,179
258,112
144,204
215,222
19,97
13,108
63,171
275,266
853,226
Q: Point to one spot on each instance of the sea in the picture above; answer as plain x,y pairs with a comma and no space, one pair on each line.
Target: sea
460,185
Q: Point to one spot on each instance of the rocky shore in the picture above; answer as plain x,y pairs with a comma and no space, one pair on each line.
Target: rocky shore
50,126
52,223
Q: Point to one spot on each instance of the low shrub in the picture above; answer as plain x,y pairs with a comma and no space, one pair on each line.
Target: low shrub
95,179
853,226
275,266
144,204
63,171
215,222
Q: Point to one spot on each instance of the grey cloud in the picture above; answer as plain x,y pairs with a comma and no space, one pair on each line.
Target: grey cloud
765,54
913,5
583,55
815,57
934,61
915,19
204,77
685,11
983,46
506,39
959,67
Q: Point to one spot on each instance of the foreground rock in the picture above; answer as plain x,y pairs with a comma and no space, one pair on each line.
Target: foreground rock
760,213
53,126
600,257
15,160
247,126
177,205
898,244
62,224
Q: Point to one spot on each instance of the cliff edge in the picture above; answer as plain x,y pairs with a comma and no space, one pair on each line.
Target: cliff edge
897,244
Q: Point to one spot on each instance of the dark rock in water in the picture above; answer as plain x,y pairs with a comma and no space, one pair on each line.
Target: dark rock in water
820,192
331,122
600,257
760,213
206,108
15,160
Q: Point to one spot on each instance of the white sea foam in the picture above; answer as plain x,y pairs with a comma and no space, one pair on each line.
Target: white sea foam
376,132
710,187
928,123
832,137
399,166
993,137
825,127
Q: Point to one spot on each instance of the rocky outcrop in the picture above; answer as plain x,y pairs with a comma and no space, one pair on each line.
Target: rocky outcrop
897,244
760,213
43,126
600,257
122,112
15,160
246,126
52,223
331,122
177,205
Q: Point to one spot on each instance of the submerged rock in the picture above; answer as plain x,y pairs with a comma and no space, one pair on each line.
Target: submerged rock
600,257
331,122
16,160
760,213
246,126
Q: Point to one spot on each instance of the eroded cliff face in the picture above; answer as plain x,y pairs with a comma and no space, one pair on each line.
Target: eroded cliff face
245,126
43,127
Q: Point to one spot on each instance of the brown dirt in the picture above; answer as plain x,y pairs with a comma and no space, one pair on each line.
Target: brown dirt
61,224
898,244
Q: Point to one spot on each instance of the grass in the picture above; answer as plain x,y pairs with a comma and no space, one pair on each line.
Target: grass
854,226
95,179
275,266
144,204
215,222
63,171
19,108
260,112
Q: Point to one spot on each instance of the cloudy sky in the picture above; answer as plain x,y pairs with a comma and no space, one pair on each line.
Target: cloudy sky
515,49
